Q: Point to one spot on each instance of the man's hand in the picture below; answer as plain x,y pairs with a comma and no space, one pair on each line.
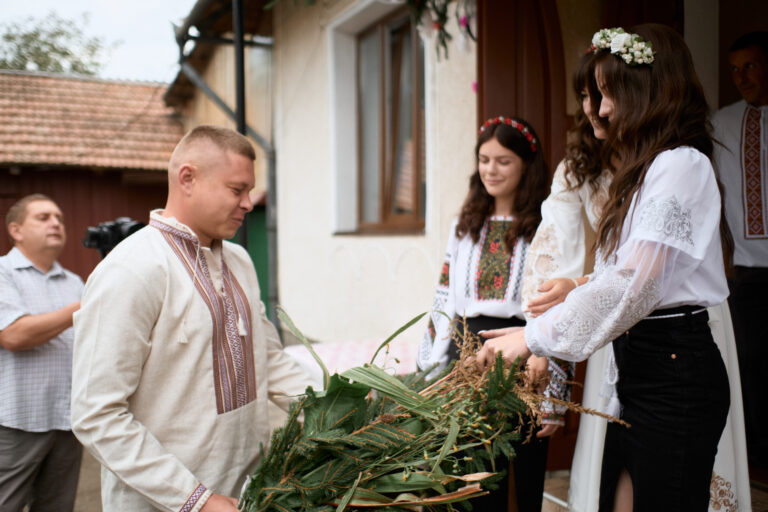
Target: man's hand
511,346
554,292
219,503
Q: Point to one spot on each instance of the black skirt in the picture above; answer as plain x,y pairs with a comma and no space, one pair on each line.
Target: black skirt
530,462
481,323
674,392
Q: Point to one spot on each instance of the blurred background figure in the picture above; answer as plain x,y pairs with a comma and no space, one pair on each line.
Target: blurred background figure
39,455
742,161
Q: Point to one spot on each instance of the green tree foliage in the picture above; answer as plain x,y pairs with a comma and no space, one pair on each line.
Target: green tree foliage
53,44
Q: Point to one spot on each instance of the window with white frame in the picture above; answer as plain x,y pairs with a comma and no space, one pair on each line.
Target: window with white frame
378,105
390,76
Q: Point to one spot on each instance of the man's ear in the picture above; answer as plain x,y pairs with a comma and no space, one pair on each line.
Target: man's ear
14,229
187,177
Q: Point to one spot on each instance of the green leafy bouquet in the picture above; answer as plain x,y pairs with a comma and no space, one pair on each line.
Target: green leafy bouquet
373,440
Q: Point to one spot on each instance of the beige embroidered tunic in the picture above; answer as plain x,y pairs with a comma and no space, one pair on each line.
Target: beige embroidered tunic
174,362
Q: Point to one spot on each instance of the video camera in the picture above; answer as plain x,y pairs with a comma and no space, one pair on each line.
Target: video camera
107,235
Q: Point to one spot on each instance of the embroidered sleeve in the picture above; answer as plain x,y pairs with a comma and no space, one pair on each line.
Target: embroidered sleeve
617,297
196,500
679,203
559,387
437,338
671,221
666,218
558,248
108,358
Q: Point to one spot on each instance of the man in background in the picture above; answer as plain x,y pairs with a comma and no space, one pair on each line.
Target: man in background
742,163
39,455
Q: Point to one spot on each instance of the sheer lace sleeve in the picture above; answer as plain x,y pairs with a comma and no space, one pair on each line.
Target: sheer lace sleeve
616,298
661,248
558,248
437,338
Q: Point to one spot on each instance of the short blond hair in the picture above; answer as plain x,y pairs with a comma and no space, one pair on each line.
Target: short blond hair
223,138
18,212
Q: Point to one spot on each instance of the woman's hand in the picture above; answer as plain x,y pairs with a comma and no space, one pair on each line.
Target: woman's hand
510,346
554,292
537,370
547,430
495,333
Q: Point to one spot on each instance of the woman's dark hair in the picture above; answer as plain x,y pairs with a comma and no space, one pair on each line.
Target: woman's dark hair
582,154
658,107
531,191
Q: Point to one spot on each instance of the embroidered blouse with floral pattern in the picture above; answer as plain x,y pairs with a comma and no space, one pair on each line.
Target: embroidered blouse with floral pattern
483,278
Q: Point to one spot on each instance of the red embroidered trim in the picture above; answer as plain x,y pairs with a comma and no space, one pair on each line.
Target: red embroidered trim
494,264
234,371
754,209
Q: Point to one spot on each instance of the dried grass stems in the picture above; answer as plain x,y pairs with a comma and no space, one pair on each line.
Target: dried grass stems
469,344
373,440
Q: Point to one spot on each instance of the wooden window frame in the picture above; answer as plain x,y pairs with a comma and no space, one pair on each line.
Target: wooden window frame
392,223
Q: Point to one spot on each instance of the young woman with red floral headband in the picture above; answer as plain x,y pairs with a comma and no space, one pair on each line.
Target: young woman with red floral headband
481,278
659,266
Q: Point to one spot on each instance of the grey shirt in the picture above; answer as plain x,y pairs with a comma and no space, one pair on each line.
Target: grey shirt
35,384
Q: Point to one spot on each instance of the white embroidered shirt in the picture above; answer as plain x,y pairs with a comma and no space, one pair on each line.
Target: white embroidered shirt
174,362
669,255
742,164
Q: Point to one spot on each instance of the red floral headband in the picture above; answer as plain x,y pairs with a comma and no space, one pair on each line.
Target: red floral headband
514,124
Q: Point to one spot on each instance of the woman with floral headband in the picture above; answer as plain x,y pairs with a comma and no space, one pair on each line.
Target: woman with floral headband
481,277
561,254
659,266
555,265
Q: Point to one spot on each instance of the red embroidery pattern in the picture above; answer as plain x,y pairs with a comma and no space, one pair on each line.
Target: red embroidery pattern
495,264
754,209
234,371
445,275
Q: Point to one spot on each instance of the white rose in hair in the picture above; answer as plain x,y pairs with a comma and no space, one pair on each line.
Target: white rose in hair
619,41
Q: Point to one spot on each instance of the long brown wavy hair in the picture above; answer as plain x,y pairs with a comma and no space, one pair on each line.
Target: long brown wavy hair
657,107
530,193
583,162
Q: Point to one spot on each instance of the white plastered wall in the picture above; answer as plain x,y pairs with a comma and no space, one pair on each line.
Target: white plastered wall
352,287
220,77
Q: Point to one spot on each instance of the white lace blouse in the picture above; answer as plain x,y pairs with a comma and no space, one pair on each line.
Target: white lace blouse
669,255
558,249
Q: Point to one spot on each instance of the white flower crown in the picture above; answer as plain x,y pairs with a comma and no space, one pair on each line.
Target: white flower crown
630,47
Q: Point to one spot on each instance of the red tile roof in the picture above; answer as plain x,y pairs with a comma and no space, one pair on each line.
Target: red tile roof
48,119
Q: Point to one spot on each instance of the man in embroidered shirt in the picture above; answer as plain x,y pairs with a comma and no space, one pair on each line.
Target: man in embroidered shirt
742,162
174,357
39,456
